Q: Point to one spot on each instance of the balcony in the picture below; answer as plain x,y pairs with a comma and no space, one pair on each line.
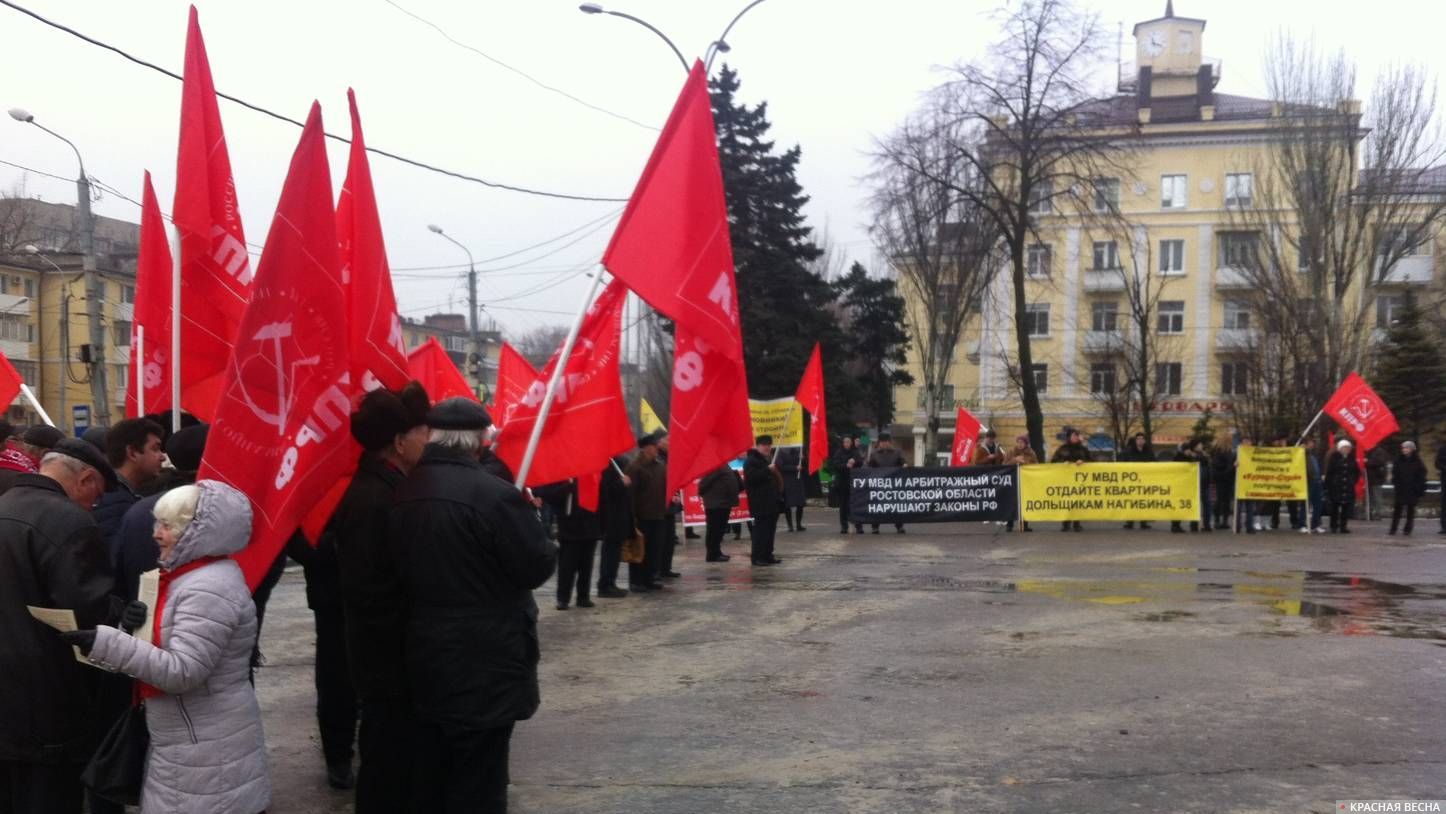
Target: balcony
1229,277
1416,269
1104,280
1103,342
1235,340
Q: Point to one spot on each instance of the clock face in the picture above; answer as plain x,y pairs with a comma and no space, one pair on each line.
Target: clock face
1155,43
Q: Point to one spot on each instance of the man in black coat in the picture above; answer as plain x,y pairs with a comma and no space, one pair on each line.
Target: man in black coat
764,485
719,491
885,456
133,449
51,556
469,550
578,530
1074,451
1408,477
842,462
1137,451
615,512
650,511
392,430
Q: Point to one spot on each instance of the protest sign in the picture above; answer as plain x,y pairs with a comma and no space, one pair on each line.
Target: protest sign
1111,491
693,512
1271,473
933,494
780,418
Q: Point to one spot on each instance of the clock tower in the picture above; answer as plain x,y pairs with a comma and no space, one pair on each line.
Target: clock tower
1169,47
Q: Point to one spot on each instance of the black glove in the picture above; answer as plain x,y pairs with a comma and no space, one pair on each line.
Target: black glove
133,616
84,639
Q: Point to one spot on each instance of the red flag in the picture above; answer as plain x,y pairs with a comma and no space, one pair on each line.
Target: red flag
672,246
378,351
429,364
10,382
1362,413
589,487
280,434
810,395
708,420
215,271
514,375
966,435
151,321
1361,465
588,421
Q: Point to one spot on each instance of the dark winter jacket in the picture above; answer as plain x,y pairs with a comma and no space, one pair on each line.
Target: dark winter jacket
838,464
719,489
368,582
1201,463
615,506
111,509
1408,477
1313,477
764,486
493,465
1132,455
1441,462
133,550
1222,467
1341,474
1070,453
790,467
323,575
889,458
650,488
50,557
469,550
574,523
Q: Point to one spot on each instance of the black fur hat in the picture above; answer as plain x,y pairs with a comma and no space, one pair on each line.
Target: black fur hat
383,415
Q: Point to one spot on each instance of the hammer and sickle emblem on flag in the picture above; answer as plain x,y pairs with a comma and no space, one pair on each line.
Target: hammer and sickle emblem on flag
274,334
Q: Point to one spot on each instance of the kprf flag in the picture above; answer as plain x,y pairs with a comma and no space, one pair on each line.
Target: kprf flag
810,395
672,249
648,417
281,432
10,382
514,375
150,363
429,364
1360,412
588,421
966,435
215,271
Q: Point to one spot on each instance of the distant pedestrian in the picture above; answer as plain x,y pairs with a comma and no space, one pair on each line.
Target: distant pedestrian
1072,451
1222,476
885,456
795,488
578,532
1315,488
842,463
719,491
615,512
1021,455
765,496
650,511
1408,476
1138,451
1341,474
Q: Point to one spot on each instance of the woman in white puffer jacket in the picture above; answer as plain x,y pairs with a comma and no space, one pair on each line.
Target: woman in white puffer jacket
207,750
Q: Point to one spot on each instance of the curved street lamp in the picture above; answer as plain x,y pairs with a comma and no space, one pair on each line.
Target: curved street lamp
716,47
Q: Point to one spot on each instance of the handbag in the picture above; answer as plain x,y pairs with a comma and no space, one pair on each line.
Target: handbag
634,548
118,768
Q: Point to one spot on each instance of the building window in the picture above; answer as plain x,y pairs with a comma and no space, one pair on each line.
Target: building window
1037,260
1172,191
1040,372
15,328
1036,319
456,344
1388,307
1172,257
1107,194
1232,379
1239,189
27,370
1167,378
1107,255
1237,316
1402,241
1237,250
122,331
1104,316
1041,198
29,287
1171,317
128,294
1102,378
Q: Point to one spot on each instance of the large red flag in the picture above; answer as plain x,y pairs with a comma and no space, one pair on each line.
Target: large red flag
672,246
215,271
429,364
151,321
281,434
966,435
1362,413
708,420
10,382
514,375
588,421
810,395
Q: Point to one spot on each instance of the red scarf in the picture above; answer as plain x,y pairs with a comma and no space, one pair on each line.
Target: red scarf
17,461
167,577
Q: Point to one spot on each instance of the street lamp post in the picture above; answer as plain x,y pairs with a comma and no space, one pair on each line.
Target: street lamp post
471,294
716,47
94,291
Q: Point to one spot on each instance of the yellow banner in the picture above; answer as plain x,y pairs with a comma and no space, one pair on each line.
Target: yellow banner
1271,473
769,418
649,419
1110,491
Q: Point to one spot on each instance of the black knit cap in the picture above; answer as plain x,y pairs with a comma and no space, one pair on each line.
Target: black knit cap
458,413
186,446
383,415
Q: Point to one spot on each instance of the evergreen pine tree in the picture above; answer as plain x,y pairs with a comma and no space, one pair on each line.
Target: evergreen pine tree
877,342
1410,373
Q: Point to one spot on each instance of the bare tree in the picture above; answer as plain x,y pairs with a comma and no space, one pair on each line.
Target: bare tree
17,222
1333,206
538,344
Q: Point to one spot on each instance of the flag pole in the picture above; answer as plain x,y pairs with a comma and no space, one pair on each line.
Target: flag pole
140,375
176,332
556,377
35,403
1310,427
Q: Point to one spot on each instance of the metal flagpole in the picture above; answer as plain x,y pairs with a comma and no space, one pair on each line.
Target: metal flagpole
556,377
35,402
1310,427
176,332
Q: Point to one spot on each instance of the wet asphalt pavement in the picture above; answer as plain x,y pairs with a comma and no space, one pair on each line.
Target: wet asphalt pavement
957,668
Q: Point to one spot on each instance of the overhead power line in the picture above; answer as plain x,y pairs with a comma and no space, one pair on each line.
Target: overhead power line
273,114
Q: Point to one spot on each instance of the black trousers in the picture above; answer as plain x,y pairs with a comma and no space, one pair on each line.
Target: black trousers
793,516
336,707
40,788
765,526
461,771
717,527
670,542
387,743
608,562
574,568
1410,511
646,572
1340,514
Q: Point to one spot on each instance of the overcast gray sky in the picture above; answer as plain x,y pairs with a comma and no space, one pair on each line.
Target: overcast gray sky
836,74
